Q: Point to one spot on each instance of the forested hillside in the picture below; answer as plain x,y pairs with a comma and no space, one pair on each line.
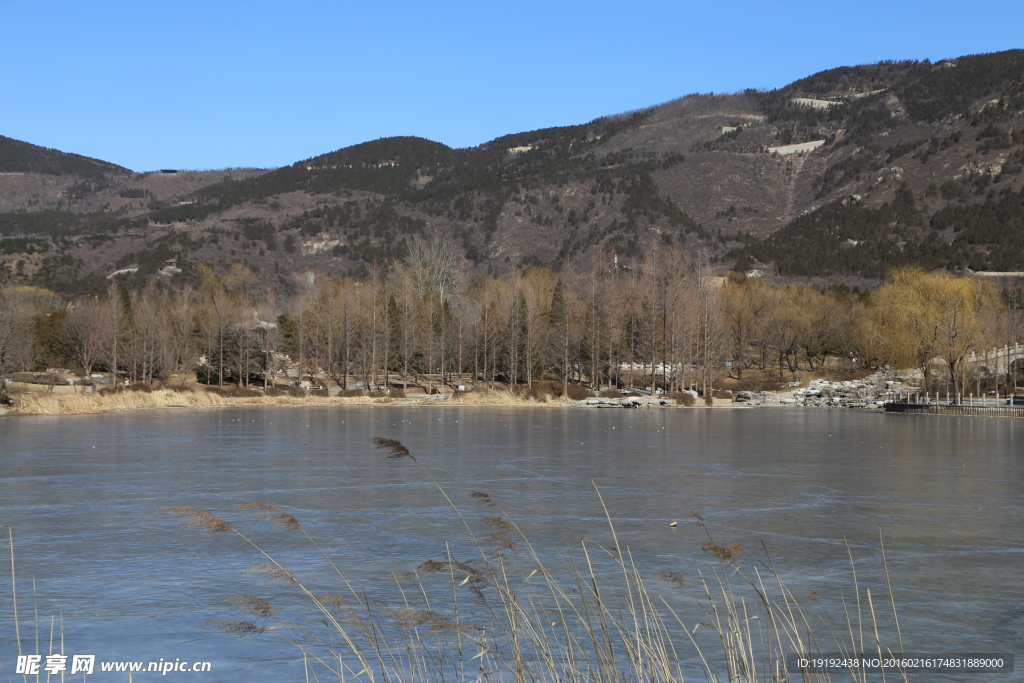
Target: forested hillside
841,175
21,157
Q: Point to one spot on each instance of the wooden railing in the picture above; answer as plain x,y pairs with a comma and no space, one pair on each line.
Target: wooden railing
991,410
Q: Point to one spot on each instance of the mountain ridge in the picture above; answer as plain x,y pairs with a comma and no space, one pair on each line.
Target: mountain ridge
17,156
841,174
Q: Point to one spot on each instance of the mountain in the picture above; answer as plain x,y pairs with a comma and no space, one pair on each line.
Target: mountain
839,175
21,157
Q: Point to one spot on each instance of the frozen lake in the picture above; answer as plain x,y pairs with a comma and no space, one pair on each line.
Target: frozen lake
82,493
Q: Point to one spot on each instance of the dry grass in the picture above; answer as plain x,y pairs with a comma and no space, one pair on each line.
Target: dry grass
60,389
502,613
45,403
486,396
317,401
31,399
42,403
37,403
753,380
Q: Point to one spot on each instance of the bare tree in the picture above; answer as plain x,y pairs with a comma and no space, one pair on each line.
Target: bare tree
16,333
711,332
564,340
515,333
407,301
485,298
435,269
85,328
144,355
115,321
319,326
215,319
181,318
538,286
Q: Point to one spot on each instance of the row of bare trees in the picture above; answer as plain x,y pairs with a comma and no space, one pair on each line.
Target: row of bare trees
420,321
658,323
666,322
144,335
18,308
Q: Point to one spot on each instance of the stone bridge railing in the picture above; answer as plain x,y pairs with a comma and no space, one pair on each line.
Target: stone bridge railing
998,361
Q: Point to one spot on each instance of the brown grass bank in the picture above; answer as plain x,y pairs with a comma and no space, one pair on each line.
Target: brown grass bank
498,396
42,403
39,403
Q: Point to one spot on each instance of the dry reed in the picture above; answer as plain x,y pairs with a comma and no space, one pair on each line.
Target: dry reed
43,403
80,404
487,396
260,400
502,613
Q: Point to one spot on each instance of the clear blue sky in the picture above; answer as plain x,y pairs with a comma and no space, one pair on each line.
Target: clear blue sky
152,84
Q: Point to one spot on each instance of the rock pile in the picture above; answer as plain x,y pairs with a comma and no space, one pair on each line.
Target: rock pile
870,392
847,394
624,402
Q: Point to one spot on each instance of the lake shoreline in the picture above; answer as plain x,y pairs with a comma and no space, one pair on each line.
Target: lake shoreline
38,403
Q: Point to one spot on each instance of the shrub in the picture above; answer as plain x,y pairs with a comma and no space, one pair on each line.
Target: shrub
351,393
144,387
229,391
682,398
545,389
533,392
756,382
578,393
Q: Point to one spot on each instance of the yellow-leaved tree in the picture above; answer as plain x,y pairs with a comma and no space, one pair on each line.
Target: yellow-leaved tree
924,317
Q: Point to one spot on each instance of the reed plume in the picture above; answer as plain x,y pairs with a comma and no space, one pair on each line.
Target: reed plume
506,613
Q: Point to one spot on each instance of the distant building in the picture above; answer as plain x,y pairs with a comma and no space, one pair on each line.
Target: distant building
170,267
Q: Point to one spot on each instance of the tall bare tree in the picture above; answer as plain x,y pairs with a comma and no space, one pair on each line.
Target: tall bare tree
16,333
435,268
85,327
115,323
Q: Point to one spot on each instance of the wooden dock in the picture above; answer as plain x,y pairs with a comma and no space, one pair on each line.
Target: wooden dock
1004,410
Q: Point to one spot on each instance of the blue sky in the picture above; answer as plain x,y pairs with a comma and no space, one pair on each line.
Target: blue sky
213,84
